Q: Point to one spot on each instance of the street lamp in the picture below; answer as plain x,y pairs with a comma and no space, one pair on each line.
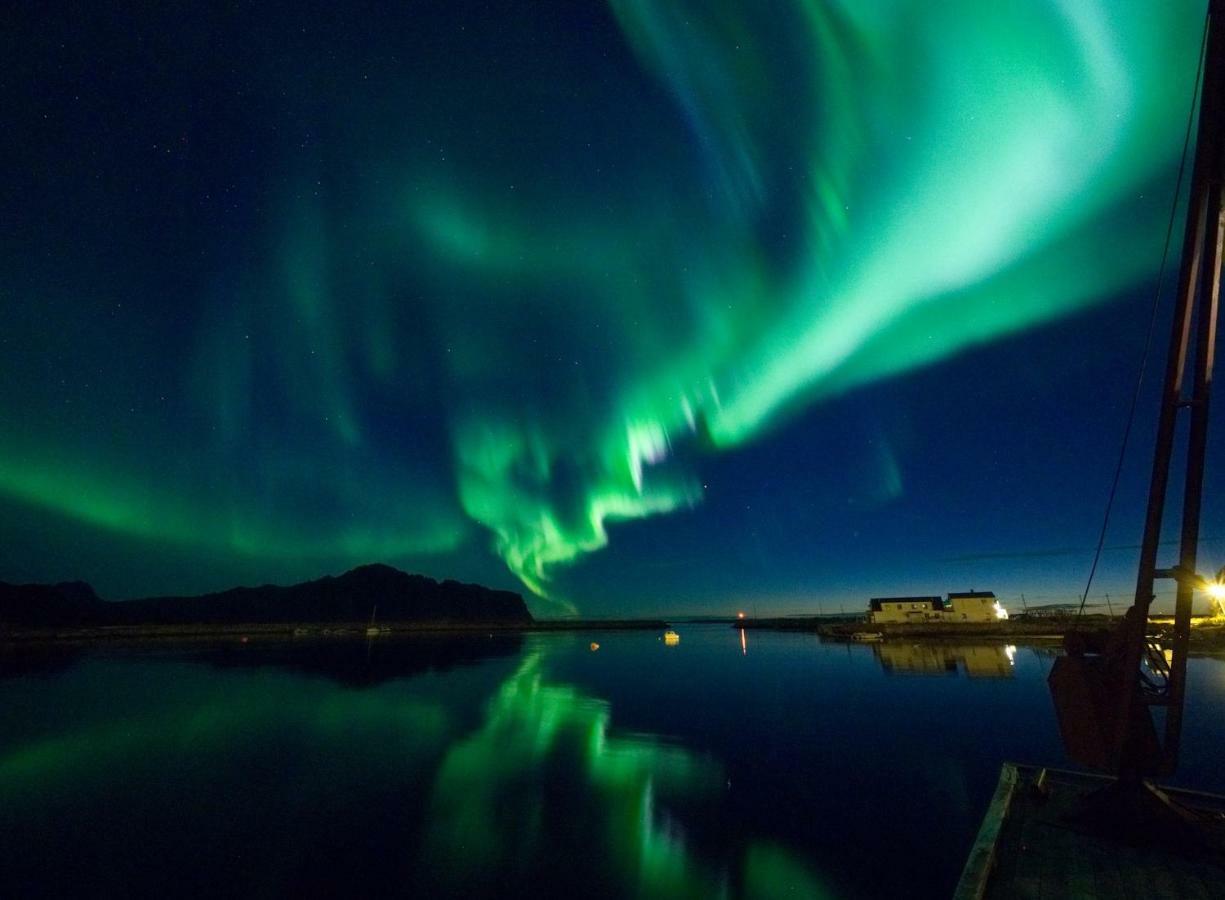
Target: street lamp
1215,589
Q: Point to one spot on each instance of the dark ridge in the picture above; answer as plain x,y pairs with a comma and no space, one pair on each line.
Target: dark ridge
69,603
351,597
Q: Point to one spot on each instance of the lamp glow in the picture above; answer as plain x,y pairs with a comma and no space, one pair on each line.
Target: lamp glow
1216,594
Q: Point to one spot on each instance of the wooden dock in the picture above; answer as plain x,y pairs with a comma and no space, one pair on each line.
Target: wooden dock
1033,844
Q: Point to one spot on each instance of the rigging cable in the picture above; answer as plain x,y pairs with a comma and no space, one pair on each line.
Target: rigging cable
1152,324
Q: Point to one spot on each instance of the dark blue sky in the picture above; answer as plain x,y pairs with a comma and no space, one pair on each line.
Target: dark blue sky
641,307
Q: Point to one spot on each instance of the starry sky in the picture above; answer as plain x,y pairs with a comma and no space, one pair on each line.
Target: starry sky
635,307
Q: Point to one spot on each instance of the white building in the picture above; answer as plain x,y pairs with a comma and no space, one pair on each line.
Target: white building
974,606
906,609
968,606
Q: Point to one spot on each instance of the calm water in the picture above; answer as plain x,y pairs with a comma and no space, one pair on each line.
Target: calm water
523,767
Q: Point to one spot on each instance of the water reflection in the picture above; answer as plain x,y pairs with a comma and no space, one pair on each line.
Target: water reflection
440,769
973,660
545,792
349,662
539,768
367,663
22,661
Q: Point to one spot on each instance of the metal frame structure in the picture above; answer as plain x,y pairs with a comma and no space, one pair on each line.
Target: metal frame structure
1103,701
1196,305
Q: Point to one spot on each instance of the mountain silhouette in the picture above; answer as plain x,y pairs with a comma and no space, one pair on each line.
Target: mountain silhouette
351,597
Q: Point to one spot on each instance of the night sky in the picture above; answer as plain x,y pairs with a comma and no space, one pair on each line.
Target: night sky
639,307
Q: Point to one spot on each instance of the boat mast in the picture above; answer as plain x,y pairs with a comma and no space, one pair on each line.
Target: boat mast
1196,306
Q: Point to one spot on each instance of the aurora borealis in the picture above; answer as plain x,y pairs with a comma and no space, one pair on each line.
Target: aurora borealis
481,291
271,770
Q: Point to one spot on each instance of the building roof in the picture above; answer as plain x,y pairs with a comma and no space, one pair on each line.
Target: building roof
971,595
875,602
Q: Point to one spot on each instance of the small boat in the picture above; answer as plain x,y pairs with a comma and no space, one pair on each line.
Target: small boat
671,638
867,636
594,646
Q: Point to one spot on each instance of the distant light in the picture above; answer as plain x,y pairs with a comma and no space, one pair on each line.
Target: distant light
1215,589
739,615
1000,612
671,638
594,646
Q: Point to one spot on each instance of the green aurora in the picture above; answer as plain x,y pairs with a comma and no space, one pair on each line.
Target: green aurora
482,775
448,335
532,730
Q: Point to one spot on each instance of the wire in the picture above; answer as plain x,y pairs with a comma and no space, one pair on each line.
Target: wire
1152,324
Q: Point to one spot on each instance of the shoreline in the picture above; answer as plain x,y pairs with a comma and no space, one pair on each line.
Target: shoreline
1205,632
245,632
1206,635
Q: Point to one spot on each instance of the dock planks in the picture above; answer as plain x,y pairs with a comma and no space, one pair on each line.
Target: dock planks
1030,847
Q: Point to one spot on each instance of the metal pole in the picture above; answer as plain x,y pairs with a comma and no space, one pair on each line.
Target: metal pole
1201,198
1210,285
